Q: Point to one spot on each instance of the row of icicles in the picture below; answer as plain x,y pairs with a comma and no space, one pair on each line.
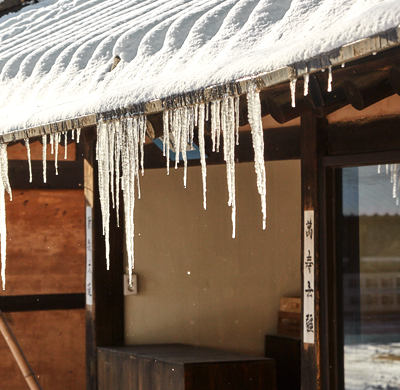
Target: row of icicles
120,143
55,140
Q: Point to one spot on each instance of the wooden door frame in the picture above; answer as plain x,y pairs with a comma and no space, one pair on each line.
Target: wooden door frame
331,307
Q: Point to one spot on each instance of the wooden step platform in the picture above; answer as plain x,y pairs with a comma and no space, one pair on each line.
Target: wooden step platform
182,367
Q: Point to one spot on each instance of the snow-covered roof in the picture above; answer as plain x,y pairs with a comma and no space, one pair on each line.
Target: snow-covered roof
56,56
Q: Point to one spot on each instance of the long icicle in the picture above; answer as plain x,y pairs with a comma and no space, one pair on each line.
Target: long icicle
28,152
102,155
255,120
117,155
56,142
202,152
228,131
184,141
166,123
65,145
4,186
44,157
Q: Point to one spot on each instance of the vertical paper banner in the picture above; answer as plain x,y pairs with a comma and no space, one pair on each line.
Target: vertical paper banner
89,257
308,274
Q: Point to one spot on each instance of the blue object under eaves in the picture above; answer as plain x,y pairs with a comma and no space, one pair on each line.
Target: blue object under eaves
192,153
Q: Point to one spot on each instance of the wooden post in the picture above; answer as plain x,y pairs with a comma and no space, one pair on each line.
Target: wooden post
16,350
104,289
312,135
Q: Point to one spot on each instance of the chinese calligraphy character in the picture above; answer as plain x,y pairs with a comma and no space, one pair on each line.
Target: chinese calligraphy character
89,289
310,323
309,231
309,290
309,263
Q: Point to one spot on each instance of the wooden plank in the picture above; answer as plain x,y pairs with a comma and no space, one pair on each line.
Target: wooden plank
53,343
17,151
70,171
290,304
91,344
312,139
18,303
364,136
289,324
105,317
45,234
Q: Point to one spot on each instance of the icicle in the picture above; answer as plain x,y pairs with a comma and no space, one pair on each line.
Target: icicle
228,131
166,123
237,113
52,143
28,152
72,134
379,168
343,64
130,139
202,153
177,128
142,133
293,91
4,186
103,155
196,114
387,169
218,124
57,138
44,157
213,124
78,135
117,155
4,169
184,141
254,114
394,180
207,110
191,125
65,144
330,79
111,147
135,138
306,81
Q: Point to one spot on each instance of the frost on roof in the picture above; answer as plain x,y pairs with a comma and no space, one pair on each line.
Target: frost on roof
56,56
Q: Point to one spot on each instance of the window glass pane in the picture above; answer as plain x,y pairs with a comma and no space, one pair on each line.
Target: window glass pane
370,261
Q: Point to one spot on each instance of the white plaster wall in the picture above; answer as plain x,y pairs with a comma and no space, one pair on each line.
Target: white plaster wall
197,285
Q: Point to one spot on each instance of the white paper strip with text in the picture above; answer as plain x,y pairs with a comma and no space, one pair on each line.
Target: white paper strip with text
89,257
308,272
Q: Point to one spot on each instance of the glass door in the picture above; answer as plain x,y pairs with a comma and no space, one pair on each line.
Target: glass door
368,276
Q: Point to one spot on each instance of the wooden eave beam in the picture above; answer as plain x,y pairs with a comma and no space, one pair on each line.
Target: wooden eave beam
355,137
367,89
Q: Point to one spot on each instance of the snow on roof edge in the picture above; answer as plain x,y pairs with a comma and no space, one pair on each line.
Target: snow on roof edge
348,52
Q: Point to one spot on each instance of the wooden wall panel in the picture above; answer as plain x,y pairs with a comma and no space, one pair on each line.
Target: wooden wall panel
17,151
45,242
54,344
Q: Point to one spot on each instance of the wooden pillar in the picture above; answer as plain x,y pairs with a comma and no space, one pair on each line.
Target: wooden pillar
312,135
104,288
